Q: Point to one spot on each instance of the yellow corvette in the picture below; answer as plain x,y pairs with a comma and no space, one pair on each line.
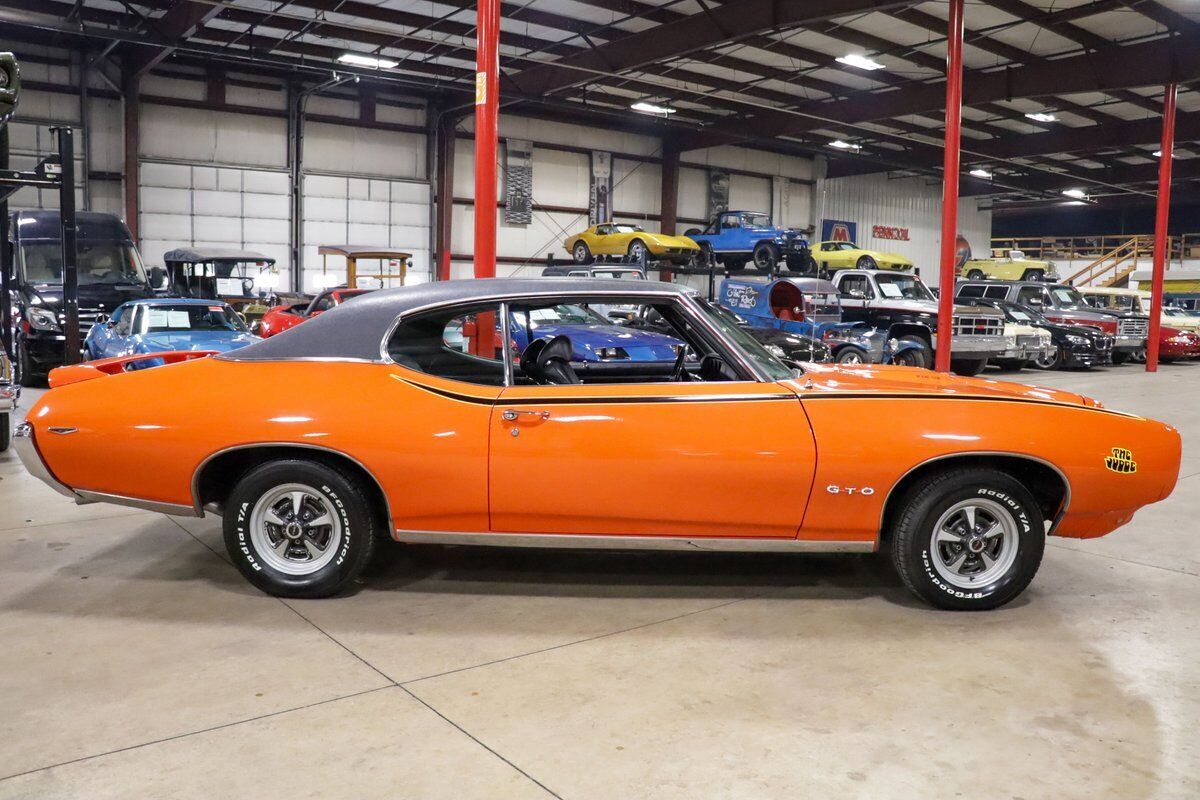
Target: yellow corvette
620,239
832,256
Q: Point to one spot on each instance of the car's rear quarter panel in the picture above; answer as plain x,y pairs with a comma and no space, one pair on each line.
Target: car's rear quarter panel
144,434
874,442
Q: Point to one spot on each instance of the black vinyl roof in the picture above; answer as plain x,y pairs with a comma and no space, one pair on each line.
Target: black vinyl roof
200,255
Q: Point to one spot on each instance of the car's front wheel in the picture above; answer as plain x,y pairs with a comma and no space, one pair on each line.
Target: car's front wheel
5,432
1052,359
581,253
851,354
766,256
969,539
297,528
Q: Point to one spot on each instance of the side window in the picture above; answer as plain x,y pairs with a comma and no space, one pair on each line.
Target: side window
603,230
731,221
856,287
461,344
996,292
1031,296
323,304
574,342
970,290
828,247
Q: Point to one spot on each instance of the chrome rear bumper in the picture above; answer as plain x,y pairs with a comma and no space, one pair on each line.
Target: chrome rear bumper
26,449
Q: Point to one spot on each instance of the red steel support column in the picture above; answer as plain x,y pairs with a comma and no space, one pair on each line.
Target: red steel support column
1160,226
487,107
954,50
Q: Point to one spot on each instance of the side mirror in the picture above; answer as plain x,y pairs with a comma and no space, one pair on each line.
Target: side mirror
158,278
857,294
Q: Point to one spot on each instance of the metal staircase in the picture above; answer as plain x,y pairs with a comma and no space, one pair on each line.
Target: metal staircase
1114,267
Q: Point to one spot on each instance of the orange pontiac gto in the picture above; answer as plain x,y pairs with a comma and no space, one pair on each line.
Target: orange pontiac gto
421,417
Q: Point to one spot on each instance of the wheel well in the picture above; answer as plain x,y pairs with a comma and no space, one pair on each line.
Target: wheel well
1047,485
920,331
215,478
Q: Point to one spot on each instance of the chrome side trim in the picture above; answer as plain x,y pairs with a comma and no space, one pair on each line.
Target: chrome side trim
84,497
984,453
325,359
199,512
27,451
617,542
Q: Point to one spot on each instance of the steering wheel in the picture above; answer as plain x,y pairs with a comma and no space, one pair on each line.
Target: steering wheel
679,374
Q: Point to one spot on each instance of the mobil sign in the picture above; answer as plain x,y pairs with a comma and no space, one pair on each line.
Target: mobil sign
838,230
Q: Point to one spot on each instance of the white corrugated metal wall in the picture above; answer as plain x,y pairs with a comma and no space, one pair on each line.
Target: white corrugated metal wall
913,203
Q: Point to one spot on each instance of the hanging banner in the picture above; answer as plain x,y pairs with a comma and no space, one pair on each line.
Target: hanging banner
839,230
718,192
518,179
889,232
600,200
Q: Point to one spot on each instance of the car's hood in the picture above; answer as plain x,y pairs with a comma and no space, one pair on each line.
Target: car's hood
605,335
1093,317
1017,329
891,380
193,340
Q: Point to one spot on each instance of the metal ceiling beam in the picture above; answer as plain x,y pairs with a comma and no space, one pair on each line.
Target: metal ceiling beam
730,22
175,26
1113,67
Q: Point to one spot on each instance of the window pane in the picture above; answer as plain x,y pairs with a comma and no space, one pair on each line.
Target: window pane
462,344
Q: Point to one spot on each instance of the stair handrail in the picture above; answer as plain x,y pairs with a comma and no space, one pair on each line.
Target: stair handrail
1122,252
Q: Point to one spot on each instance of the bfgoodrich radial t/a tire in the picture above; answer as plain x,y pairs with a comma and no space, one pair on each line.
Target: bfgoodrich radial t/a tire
298,528
968,539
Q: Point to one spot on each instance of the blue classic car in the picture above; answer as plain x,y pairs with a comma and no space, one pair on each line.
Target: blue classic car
160,325
812,307
737,237
593,337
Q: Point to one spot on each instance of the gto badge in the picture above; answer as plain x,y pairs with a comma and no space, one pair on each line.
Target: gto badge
863,490
1121,461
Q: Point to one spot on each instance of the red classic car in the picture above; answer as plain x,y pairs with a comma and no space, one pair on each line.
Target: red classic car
280,318
1174,343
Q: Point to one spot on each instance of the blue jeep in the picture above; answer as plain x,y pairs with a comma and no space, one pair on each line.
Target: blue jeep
737,237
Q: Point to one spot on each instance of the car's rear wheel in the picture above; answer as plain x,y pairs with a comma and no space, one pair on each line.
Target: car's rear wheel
5,432
26,372
1033,275
968,539
581,253
1120,356
976,275
921,351
298,528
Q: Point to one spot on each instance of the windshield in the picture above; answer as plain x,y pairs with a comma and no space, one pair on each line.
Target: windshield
566,314
907,286
1019,314
1066,297
627,229
99,263
750,346
190,317
756,221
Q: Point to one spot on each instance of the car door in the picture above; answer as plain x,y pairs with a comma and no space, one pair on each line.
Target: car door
686,459
856,294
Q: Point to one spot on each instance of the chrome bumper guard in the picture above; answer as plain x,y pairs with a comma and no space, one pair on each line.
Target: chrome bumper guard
9,395
27,451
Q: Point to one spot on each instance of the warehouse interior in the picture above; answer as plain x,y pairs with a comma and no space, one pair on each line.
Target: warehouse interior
137,662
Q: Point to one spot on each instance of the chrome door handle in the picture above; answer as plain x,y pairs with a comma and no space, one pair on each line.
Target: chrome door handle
511,414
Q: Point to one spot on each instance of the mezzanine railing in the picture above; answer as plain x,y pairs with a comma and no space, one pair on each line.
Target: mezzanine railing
1104,260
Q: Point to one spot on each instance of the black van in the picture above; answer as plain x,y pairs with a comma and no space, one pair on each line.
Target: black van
110,272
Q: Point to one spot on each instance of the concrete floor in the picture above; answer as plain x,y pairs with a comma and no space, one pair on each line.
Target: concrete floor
135,662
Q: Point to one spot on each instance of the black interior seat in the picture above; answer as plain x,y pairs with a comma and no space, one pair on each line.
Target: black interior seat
529,361
554,362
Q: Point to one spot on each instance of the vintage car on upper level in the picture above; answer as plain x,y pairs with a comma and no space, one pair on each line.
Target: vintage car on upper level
901,305
832,256
1072,346
400,432
1064,305
164,325
1008,265
625,240
810,306
283,317
10,393
735,238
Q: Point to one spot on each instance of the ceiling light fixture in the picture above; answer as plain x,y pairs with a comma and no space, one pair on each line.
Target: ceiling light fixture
980,173
367,61
1158,154
856,60
1041,116
840,145
651,108
1078,194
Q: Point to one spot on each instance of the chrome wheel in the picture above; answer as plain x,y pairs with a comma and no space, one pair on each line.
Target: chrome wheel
581,253
974,543
1047,359
295,529
851,356
637,250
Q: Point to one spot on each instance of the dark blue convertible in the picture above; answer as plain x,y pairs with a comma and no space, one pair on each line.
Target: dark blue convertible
593,337
160,325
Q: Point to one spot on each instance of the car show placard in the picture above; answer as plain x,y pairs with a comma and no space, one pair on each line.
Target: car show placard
518,171
600,198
